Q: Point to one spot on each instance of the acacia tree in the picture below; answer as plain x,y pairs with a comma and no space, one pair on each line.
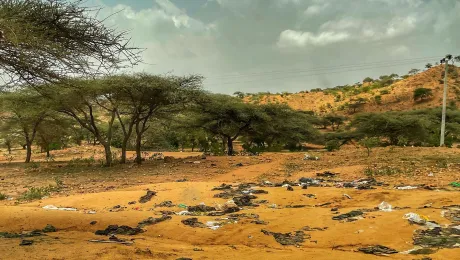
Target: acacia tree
141,97
24,112
226,117
53,130
50,40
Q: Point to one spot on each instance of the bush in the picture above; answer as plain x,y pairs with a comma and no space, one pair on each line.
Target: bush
422,93
3,196
384,92
378,99
333,145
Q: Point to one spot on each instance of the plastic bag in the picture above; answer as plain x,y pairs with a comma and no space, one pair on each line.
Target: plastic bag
415,218
385,206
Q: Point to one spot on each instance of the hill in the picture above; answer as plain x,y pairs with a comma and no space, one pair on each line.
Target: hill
389,93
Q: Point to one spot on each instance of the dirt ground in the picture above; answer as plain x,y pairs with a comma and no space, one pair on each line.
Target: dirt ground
189,180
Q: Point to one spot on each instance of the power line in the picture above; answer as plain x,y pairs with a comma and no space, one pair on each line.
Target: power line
322,68
336,71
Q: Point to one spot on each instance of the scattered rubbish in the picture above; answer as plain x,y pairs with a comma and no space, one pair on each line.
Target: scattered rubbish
131,202
310,195
117,208
296,206
244,215
165,212
304,186
153,221
438,237
193,222
25,242
455,184
309,157
347,196
112,240
52,207
415,218
310,181
166,204
183,213
327,174
182,206
377,250
223,186
273,206
90,212
430,174
213,225
239,164
334,209
34,233
350,216
285,239
182,180
452,213
385,206
361,184
147,197
93,222
119,230
258,192
289,188
49,228
407,187
196,162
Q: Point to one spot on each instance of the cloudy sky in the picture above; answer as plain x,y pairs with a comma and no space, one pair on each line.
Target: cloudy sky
286,45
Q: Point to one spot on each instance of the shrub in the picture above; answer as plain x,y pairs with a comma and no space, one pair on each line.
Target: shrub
378,99
3,196
422,93
384,92
332,145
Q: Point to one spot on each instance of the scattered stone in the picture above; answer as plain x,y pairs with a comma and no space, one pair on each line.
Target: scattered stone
324,204
285,239
25,242
259,222
182,180
200,208
307,228
350,216
377,250
147,197
289,188
93,222
304,186
327,174
223,186
261,201
347,196
244,200
119,230
335,209
49,228
193,222
258,191
312,196
166,204
438,237
153,221
296,206
131,202
239,164
224,195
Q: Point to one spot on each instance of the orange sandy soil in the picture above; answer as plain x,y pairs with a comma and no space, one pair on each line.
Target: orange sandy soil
99,189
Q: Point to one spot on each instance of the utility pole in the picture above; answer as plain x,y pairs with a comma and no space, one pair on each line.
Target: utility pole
444,99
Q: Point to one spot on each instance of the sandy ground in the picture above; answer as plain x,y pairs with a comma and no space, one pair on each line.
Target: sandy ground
92,188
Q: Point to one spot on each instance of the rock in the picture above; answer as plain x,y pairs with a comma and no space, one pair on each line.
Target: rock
131,203
181,180
304,186
93,222
258,191
49,228
296,206
286,239
259,222
166,203
289,188
349,215
377,250
334,209
119,230
203,157
327,174
153,221
25,242
239,164
193,222
147,197
244,200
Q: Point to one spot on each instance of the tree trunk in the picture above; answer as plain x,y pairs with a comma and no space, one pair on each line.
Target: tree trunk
182,147
138,148
193,147
223,145
9,148
230,146
124,145
48,152
29,152
108,155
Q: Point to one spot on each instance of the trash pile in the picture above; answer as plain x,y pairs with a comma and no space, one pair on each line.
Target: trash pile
350,216
288,239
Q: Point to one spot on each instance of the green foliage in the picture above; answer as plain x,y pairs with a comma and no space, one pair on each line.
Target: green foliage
36,193
413,71
428,65
367,80
3,196
378,99
382,171
384,92
316,90
332,145
369,143
422,93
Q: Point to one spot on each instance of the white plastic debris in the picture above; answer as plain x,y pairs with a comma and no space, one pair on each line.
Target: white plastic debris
348,196
52,207
385,206
407,188
90,212
267,183
273,206
285,185
414,218
196,162
212,225
429,224
430,174
183,213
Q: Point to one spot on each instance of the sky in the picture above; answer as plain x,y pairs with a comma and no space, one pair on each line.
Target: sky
285,45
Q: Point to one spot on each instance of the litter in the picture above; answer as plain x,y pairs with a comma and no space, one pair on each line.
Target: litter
407,188
377,250
183,213
385,206
147,197
196,162
346,195
90,212
430,174
455,184
212,225
273,206
52,207
183,206
309,157
415,218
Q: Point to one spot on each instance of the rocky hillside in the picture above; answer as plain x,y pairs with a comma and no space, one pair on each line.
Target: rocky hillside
372,96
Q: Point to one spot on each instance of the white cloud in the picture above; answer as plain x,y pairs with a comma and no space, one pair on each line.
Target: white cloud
291,38
315,9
